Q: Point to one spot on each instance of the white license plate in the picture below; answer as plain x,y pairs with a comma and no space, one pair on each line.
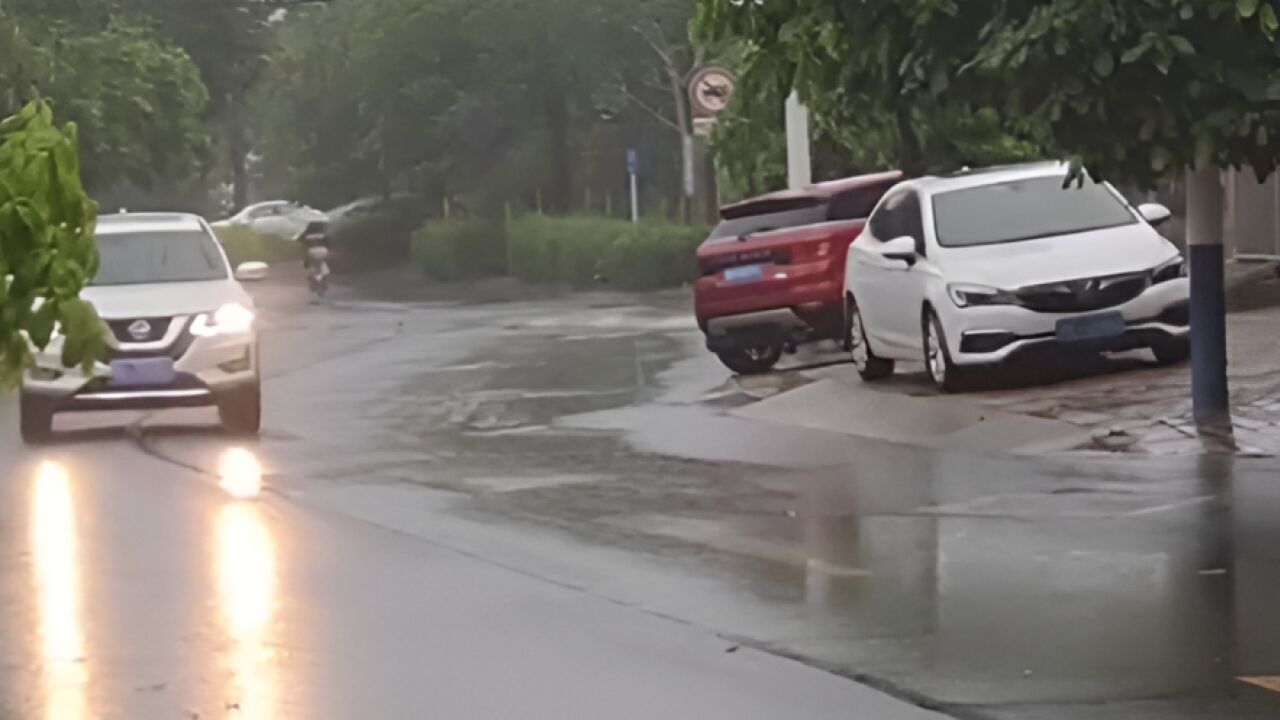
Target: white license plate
749,273
148,372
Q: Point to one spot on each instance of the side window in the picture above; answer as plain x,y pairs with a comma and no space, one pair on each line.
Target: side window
912,224
886,223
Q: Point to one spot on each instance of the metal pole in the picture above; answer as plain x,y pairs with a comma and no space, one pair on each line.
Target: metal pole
799,163
635,199
1209,394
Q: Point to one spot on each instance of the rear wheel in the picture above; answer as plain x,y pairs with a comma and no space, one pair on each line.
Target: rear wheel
35,418
1172,352
240,410
870,367
752,360
945,374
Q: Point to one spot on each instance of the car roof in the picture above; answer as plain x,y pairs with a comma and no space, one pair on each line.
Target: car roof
148,222
979,177
808,195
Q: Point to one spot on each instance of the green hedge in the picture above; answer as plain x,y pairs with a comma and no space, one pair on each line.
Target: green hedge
573,251
244,245
461,249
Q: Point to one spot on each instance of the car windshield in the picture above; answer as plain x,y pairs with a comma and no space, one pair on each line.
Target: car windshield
158,257
737,227
1025,210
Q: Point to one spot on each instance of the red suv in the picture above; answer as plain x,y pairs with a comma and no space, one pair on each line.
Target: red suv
773,269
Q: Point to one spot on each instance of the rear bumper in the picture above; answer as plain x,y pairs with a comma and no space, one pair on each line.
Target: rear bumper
782,287
766,327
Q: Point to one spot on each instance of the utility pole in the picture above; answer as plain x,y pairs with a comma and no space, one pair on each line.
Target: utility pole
799,162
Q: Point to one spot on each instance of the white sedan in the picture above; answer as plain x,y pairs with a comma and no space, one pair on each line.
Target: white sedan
280,218
964,271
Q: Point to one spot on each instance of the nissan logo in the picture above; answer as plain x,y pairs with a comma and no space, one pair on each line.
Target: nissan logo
140,330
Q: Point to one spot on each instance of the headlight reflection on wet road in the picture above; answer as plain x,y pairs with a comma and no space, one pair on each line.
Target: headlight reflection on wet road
240,474
246,579
56,562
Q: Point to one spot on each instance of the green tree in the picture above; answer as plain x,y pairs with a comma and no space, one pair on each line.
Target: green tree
138,101
1134,90
47,250
137,98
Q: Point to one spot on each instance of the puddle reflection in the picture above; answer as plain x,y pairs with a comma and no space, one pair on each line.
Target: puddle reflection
246,579
56,563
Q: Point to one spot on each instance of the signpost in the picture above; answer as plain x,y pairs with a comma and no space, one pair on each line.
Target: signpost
633,162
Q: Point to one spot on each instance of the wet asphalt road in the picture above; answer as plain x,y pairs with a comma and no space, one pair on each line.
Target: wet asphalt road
542,508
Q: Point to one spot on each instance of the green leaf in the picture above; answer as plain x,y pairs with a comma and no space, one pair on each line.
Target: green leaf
1182,45
1270,23
40,326
1104,64
1246,8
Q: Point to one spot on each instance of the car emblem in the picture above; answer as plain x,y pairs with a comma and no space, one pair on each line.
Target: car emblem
140,330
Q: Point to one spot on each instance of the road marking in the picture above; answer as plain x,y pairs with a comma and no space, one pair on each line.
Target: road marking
1271,682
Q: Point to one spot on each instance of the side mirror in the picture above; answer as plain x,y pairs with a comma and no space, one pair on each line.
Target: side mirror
252,271
1154,213
903,248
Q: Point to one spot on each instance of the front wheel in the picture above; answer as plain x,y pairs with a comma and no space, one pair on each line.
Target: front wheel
1172,352
870,368
751,360
945,374
35,419
240,410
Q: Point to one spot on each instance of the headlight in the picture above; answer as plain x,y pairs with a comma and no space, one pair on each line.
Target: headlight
965,295
1171,270
228,320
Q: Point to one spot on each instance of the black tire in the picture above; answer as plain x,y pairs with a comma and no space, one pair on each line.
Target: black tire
240,410
751,361
35,418
870,368
1172,352
943,372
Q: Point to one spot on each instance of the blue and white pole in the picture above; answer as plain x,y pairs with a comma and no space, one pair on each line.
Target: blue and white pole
1210,400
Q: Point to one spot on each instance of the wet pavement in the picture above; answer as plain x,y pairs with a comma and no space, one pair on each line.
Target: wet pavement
473,504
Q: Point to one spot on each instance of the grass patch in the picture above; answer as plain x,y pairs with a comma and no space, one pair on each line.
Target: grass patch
579,251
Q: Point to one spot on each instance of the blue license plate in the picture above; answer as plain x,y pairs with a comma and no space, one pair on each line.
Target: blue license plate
149,372
1091,327
749,273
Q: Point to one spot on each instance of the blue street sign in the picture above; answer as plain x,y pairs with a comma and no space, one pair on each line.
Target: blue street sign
633,162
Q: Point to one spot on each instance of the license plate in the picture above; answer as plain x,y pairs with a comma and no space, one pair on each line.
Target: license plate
749,273
151,372
1091,327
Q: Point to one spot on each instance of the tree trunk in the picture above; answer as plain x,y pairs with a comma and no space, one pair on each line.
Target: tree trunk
1209,392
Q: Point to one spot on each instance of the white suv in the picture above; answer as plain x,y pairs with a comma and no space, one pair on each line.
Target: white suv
965,271
183,330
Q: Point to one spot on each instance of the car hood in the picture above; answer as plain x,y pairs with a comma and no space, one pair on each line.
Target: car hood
122,302
1098,253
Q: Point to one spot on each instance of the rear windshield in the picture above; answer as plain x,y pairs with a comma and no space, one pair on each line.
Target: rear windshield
1025,210
158,257
737,227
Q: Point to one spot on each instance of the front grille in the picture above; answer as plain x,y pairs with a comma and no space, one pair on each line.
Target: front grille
178,349
156,329
1084,295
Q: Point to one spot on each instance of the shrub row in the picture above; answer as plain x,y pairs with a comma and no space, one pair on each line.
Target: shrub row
577,251
244,245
